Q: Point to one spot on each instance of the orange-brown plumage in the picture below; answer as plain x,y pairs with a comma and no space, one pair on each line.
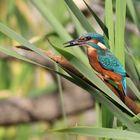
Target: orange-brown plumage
106,74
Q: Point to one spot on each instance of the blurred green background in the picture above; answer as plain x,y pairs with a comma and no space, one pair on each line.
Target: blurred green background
23,80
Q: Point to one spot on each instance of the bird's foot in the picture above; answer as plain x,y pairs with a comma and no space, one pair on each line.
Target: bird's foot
106,77
101,77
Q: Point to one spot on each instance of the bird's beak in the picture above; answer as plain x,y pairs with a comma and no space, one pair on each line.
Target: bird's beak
73,43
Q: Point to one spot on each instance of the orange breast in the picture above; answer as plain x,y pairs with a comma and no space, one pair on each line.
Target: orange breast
93,59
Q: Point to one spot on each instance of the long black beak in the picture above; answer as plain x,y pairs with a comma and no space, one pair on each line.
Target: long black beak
73,43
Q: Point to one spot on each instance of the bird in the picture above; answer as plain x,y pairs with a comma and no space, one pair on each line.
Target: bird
102,60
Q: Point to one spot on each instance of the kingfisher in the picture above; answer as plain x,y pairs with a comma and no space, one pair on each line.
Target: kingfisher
102,60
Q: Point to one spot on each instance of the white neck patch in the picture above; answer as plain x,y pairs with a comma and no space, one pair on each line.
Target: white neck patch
101,45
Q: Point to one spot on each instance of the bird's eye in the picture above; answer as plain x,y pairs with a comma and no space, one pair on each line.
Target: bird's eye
85,38
88,37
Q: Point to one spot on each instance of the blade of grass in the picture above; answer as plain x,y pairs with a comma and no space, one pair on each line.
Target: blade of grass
5,71
107,117
99,21
119,30
61,95
137,71
98,114
13,35
101,133
109,22
12,53
133,88
132,67
132,10
136,118
129,81
79,29
61,99
82,19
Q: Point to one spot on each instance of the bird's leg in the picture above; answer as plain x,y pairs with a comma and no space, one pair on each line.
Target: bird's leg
101,77
106,77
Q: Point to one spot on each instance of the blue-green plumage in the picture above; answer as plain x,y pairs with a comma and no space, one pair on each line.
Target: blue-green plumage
107,59
110,62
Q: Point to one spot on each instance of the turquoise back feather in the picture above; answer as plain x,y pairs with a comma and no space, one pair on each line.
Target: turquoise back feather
110,62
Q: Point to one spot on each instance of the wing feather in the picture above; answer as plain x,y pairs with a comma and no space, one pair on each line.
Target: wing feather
110,62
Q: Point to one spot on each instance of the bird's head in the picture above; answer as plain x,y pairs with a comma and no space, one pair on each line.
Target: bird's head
92,39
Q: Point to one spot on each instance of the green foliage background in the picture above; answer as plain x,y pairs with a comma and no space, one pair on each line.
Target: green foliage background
23,21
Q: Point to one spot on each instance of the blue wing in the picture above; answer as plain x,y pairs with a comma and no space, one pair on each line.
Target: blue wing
110,62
